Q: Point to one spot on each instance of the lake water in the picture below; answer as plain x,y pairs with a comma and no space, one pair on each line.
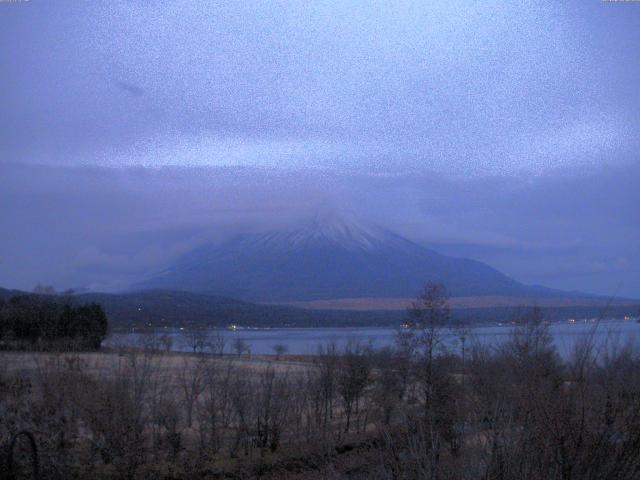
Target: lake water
608,334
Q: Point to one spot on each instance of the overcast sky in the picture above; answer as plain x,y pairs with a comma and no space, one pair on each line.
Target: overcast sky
508,132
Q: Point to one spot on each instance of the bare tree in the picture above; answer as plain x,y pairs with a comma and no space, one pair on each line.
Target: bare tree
191,385
353,376
217,342
325,380
196,339
280,349
215,410
166,341
389,383
518,411
241,346
273,395
423,339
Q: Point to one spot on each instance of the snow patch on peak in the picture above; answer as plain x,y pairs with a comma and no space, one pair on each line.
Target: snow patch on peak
340,229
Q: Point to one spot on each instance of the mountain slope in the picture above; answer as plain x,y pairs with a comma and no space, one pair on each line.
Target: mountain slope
328,259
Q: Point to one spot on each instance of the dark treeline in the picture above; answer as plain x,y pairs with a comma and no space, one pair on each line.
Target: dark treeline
420,410
160,308
44,321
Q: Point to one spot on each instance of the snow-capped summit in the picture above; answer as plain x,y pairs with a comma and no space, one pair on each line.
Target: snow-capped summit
331,256
327,228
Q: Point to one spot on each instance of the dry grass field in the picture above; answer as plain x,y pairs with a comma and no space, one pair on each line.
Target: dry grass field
399,303
414,412
29,363
186,412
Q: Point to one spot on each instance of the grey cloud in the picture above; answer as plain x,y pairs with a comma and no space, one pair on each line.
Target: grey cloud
101,226
453,86
503,132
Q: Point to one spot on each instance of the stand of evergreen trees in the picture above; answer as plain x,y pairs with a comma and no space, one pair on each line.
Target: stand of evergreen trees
28,321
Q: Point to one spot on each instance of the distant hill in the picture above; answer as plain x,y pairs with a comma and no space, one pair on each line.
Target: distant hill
160,308
331,258
155,308
166,308
5,294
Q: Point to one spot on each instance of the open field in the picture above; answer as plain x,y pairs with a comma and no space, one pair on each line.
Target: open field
414,412
400,303
237,409
28,363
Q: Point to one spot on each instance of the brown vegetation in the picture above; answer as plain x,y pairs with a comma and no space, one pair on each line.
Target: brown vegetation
485,301
418,411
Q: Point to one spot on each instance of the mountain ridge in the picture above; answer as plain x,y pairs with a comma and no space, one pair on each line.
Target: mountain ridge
330,258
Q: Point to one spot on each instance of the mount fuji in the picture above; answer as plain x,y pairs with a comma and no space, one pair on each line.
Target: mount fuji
330,258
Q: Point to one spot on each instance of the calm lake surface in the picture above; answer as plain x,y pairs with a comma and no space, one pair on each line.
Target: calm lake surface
607,335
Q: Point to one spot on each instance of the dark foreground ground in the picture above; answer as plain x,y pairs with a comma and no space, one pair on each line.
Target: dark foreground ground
412,412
